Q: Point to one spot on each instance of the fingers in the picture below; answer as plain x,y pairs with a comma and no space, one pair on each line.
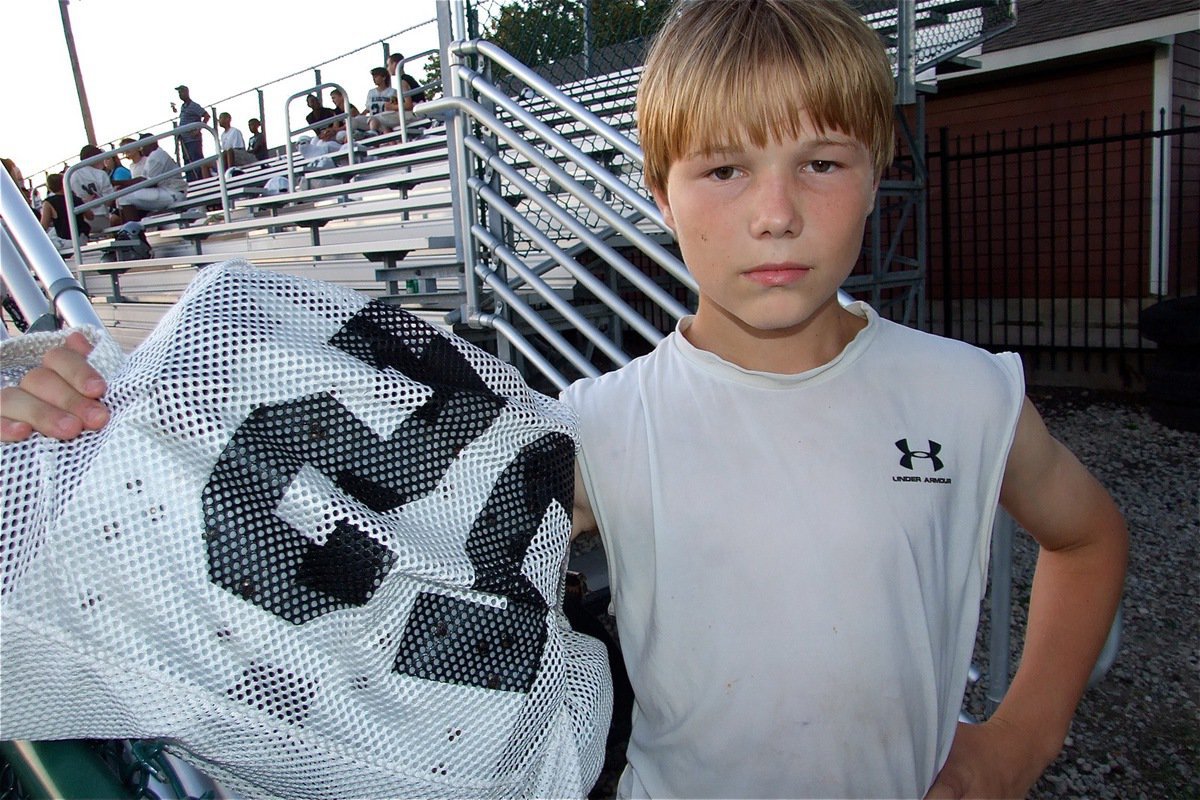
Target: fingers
70,363
57,399
11,430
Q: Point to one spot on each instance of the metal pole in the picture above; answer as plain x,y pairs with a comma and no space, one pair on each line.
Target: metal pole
456,130
22,287
84,110
65,292
262,112
906,79
587,38
1003,530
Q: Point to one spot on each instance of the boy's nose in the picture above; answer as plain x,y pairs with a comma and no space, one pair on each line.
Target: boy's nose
776,211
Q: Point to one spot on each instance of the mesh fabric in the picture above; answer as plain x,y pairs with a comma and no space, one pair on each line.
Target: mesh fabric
319,549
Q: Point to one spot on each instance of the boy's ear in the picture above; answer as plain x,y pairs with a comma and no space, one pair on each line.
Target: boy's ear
874,196
660,200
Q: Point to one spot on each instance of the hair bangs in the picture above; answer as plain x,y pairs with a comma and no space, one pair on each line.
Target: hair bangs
730,73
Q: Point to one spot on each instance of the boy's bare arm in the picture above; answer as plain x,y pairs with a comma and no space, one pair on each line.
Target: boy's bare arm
1076,588
59,399
583,520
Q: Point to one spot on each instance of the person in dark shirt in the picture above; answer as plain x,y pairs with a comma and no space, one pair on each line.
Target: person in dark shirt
192,144
258,139
319,112
54,213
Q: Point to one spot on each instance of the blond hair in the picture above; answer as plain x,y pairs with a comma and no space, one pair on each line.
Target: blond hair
722,72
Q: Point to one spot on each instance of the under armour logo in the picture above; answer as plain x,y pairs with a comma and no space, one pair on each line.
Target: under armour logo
932,454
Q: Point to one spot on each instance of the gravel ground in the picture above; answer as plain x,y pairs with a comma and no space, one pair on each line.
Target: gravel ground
1137,732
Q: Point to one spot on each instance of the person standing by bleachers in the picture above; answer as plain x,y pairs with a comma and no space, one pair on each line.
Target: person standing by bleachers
153,163
191,144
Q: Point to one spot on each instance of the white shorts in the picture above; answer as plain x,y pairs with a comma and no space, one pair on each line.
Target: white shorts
149,199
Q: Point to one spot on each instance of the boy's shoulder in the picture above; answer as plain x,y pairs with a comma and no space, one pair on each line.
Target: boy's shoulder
922,348
619,379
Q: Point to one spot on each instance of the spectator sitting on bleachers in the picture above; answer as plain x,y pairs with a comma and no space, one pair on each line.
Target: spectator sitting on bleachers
233,145
92,183
54,214
381,102
118,173
154,162
258,139
318,112
123,176
393,66
358,120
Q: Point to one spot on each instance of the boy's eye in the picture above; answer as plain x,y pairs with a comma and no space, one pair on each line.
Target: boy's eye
723,173
822,167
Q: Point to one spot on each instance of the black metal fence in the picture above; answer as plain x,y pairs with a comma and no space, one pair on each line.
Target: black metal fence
1051,240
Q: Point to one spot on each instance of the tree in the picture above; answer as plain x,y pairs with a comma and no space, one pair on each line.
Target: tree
539,32
542,31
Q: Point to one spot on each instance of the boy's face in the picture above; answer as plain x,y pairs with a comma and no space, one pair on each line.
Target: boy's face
769,233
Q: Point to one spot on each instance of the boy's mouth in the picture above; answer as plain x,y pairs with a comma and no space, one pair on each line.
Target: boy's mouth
781,274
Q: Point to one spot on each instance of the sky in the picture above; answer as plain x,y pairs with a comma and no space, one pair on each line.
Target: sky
132,54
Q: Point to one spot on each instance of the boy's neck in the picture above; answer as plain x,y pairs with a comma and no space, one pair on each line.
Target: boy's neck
789,351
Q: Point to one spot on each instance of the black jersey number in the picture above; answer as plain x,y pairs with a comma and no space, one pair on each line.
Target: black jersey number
255,554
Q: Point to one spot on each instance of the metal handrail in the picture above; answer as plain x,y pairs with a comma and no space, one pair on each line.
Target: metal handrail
73,210
413,91
572,223
19,284
583,276
545,133
548,90
33,251
540,160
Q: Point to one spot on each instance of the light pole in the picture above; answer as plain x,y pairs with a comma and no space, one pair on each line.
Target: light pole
83,103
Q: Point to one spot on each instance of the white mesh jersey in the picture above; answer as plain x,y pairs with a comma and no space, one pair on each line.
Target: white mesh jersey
797,561
319,549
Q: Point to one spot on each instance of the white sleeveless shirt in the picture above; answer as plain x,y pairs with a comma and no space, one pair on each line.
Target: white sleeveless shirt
797,561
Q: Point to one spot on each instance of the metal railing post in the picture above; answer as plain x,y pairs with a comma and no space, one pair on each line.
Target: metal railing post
262,112
456,130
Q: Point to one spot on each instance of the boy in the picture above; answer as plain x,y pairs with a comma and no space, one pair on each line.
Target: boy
773,453
382,102
258,139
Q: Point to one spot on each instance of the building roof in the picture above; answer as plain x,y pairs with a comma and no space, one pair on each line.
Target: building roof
1046,20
